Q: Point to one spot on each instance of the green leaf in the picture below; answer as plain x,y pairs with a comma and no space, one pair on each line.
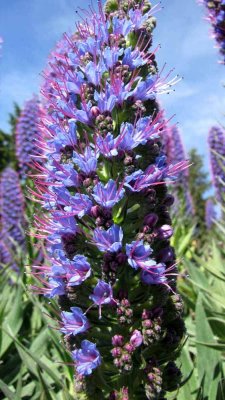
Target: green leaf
189,390
208,359
7,392
13,320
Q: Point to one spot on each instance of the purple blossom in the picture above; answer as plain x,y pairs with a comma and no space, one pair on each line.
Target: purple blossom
210,213
74,322
136,338
110,240
107,145
27,135
133,58
86,162
102,294
65,174
12,209
62,138
87,358
55,287
216,140
138,254
216,16
154,275
76,271
108,195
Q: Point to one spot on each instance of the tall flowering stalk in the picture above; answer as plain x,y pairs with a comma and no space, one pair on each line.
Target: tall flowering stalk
11,209
210,213
175,152
216,16
216,140
27,135
107,224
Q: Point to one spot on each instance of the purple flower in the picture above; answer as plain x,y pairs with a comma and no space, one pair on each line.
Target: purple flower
55,287
105,100
136,338
110,240
62,139
12,209
66,174
155,275
108,195
102,294
216,16
133,58
79,205
107,145
27,135
138,254
111,56
210,213
216,141
86,162
87,358
77,270
74,322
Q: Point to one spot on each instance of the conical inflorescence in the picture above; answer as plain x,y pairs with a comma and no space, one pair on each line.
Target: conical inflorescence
216,140
216,16
106,223
27,135
12,220
175,152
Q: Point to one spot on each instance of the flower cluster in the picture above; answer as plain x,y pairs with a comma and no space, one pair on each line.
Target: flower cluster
6,258
216,16
174,149
27,133
216,140
12,209
210,213
103,186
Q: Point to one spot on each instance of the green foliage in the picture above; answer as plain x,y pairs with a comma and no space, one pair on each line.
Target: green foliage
31,354
199,184
7,141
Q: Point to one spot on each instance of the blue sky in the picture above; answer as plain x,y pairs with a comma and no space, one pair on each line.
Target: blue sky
30,30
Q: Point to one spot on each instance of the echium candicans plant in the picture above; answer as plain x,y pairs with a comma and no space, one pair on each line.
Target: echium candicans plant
175,152
216,140
27,135
6,257
12,219
210,213
106,220
216,16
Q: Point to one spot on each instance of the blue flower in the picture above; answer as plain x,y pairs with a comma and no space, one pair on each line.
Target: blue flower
111,56
155,275
105,100
62,139
102,293
107,145
110,240
87,162
95,71
138,254
56,287
66,174
133,58
77,270
74,322
108,195
79,205
87,358
121,26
